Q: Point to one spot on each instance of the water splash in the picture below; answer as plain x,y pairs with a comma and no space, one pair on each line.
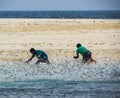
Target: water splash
72,70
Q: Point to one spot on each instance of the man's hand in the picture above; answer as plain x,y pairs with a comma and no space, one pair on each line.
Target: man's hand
75,57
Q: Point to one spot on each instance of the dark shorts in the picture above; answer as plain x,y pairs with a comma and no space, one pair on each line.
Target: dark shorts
86,56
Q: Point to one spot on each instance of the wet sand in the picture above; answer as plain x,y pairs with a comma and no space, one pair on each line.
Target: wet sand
58,37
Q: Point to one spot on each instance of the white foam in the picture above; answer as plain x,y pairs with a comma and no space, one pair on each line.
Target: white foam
58,69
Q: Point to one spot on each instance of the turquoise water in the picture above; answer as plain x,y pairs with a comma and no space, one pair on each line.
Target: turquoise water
60,79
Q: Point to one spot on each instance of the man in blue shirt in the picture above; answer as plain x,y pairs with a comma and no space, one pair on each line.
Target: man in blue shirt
41,55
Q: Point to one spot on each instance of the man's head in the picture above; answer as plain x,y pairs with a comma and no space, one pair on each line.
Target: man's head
32,50
78,45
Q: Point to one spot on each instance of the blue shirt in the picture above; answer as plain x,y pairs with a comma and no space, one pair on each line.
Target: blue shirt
40,54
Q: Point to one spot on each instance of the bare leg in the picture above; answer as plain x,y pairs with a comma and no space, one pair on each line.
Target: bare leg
84,60
42,60
47,61
93,60
89,61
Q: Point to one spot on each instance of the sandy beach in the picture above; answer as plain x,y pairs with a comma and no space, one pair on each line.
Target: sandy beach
58,37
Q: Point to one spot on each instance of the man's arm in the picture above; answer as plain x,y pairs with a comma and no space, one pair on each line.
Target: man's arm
30,59
76,57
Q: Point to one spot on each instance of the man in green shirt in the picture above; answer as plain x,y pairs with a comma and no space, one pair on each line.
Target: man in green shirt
41,55
85,53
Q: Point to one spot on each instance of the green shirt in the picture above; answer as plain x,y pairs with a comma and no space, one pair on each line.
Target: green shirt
82,50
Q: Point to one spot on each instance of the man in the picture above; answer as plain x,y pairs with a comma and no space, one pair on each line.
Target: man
85,53
41,55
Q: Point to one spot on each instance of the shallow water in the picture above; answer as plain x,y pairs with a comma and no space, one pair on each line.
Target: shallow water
60,89
68,78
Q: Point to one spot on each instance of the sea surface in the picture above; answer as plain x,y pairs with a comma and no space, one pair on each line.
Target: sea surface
61,14
60,79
